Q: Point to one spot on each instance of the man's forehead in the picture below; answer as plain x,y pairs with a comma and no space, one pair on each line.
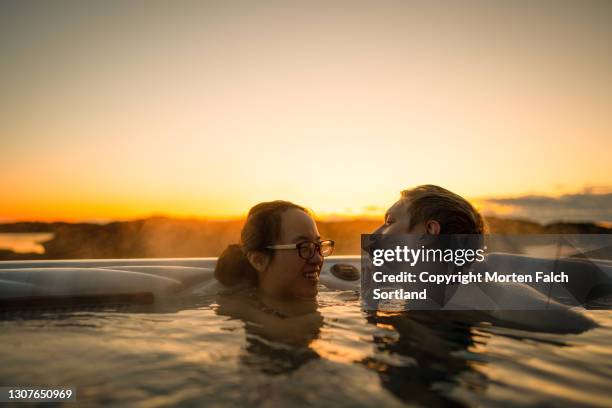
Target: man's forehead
400,208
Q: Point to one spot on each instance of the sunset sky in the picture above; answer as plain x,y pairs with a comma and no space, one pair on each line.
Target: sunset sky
117,110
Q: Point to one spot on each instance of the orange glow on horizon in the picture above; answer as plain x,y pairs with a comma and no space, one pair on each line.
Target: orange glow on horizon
205,110
79,211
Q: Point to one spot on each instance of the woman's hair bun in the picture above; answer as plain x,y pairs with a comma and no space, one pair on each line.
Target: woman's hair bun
233,267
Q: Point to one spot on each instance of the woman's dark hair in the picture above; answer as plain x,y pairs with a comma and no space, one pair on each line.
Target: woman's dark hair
262,228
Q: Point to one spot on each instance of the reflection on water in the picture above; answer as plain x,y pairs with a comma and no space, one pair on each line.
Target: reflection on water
231,351
24,242
277,334
436,343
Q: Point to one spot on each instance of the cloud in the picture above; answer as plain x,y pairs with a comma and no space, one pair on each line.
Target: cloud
590,205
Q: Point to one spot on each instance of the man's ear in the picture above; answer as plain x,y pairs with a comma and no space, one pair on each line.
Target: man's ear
432,227
258,260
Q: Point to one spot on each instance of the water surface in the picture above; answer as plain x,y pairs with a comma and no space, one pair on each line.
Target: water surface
196,352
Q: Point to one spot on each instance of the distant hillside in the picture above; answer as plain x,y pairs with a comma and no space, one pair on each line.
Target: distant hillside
168,237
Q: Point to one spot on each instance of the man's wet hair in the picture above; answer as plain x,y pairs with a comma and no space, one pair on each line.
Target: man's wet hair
453,212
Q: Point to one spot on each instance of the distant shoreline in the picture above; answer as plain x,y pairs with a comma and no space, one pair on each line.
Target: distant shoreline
157,237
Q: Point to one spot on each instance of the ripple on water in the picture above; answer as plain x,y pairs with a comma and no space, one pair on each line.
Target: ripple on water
188,354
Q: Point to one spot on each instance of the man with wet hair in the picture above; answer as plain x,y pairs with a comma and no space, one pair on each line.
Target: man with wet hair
433,210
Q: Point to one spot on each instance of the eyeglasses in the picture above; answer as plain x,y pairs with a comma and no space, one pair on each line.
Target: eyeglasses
306,249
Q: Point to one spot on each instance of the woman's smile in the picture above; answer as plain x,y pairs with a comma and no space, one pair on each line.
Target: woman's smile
312,274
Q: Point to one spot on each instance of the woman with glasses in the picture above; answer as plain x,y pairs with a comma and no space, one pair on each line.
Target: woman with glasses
279,260
280,252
